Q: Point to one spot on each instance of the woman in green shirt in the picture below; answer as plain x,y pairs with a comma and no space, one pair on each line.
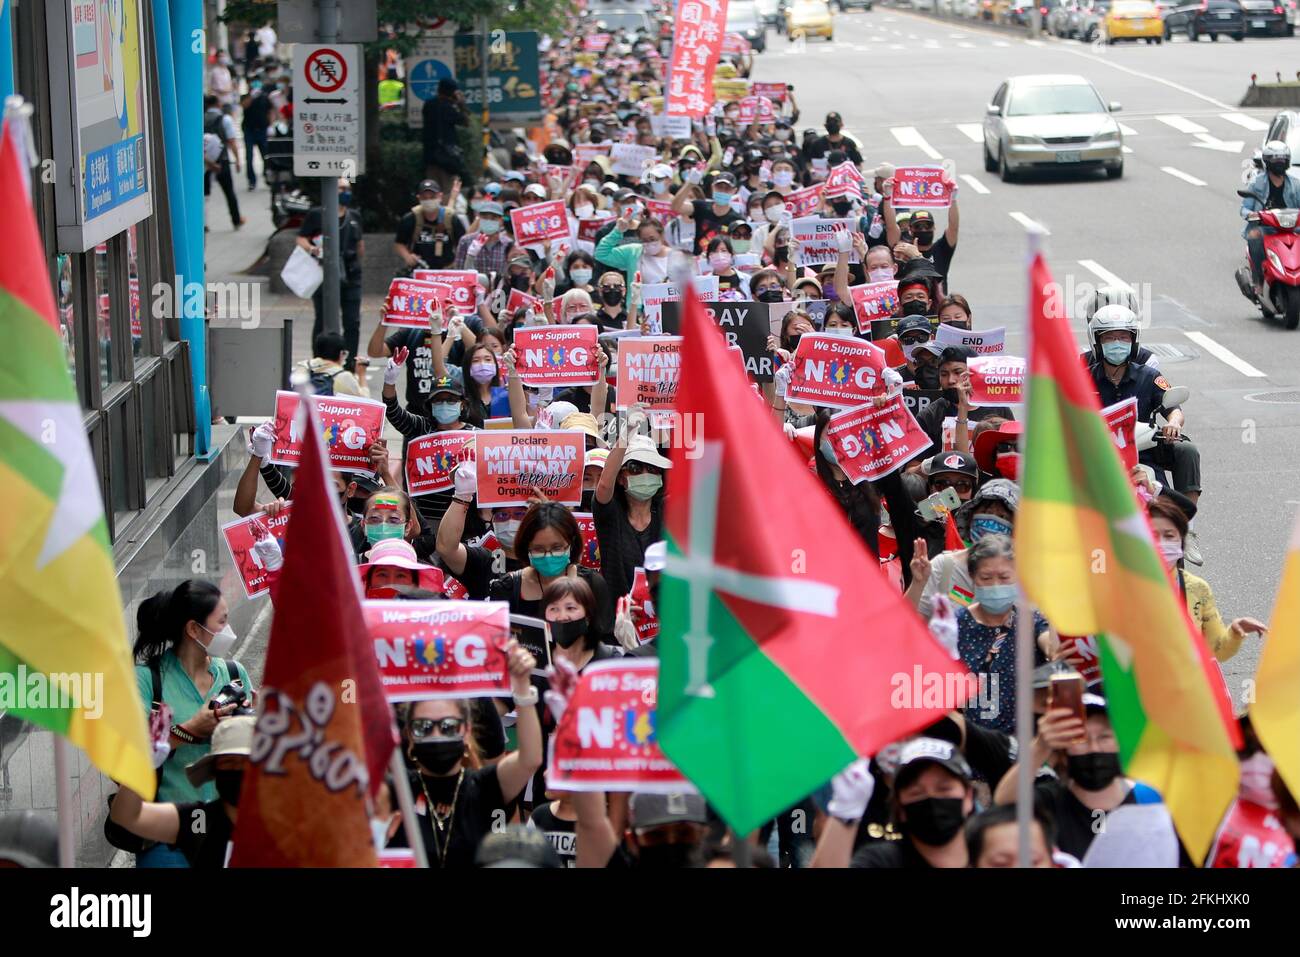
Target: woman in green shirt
184,638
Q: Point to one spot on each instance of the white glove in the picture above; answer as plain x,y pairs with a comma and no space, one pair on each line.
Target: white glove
624,627
268,550
943,625
851,791
843,240
893,382
781,380
160,751
694,177
887,188
455,326
877,227
263,437
465,480
392,372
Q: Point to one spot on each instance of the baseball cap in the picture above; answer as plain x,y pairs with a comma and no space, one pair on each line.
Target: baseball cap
652,810
232,736
997,490
915,754
922,216
428,186
661,171
447,384
515,175
962,463
724,179
884,171
913,324
535,189
1094,704
516,846
956,354
492,208
492,189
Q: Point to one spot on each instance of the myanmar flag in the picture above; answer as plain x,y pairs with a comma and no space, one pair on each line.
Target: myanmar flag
784,650
1088,561
61,626
1275,712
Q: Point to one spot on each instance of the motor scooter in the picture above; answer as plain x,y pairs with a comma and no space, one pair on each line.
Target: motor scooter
1281,267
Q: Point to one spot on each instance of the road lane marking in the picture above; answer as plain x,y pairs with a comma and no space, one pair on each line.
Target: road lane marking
1127,149
973,131
1030,224
966,46
1063,48
909,136
974,184
1224,355
1185,177
1182,124
1245,122
1001,43
1104,274
1127,130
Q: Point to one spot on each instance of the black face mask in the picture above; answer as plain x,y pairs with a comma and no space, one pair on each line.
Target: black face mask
793,342
927,377
611,295
1277,169
567,633
588,497
1093,771
439,755
228,784
665,855
771,295
934,821
923,237
915,307
832,127
952,396
841,209
520,282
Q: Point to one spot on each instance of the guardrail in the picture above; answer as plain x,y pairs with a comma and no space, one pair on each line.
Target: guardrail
999,26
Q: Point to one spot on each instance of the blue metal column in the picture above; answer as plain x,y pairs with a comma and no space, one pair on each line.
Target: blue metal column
6,49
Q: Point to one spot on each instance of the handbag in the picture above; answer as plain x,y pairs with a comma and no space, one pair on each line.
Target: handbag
302,273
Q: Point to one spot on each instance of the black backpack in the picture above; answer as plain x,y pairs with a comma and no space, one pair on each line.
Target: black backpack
322,383
214,124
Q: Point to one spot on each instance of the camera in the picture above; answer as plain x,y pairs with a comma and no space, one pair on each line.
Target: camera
232,693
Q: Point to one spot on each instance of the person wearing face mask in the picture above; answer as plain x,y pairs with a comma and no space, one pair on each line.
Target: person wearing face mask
392,565
458,798
666,831
221,771
741,237
834,140
955,311
477,563
751,180
766,286
648,255
388,515
796,324
660,179
912,332
769,234
352,253
992,512
182,653
427,236
1251,834
939,252
720,258
569,606
579,267
954,380
913,297
1093,783
986,629
840,320
784,175
1169,523
487,246
485,397
629,503
711,217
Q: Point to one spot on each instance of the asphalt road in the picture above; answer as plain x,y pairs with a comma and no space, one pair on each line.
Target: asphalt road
913,89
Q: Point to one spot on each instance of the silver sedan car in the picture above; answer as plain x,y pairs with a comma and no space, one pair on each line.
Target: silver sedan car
1051,121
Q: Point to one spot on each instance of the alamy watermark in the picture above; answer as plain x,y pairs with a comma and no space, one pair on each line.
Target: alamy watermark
229,300
944,689
22,690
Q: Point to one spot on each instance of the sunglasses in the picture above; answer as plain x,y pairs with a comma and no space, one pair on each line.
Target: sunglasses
422,728
913,340
640,468
960,485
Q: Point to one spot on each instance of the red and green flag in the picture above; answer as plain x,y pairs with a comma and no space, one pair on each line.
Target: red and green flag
1087,559
785,653
64,659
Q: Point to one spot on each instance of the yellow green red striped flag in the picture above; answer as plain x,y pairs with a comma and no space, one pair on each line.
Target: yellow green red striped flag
1087,559
1275,712
64,659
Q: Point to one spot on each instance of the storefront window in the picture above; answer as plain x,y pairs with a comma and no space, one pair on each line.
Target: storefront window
133,273
63,296
103,312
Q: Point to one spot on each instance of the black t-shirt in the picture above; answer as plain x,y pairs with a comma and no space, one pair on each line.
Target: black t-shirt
1275,196
470,821
847,145
508,588
257,115
350,236
622,547
561,834
940,253
1076,825
436,240
482,567
891,854
709,224
203,846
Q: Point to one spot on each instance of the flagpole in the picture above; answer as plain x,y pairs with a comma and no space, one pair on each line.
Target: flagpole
402,787
1025,618
63,800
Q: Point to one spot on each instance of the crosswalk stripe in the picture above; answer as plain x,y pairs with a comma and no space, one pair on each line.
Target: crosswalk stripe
1185,177
973,131
966,46
1127,130
1244,121
974,184
909,136
1001,43
1127,149
1182,124
1030,224
1104,274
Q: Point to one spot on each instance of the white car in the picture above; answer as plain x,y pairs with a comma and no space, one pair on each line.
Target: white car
1051,121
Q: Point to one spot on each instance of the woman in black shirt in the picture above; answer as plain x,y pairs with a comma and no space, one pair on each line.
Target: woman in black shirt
629,508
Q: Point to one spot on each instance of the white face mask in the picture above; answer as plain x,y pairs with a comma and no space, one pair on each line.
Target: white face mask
1170,551
505,532
783,177
430,206
222,643
880,274
660,186
773,214
838,331
655,248
1256,781
584,210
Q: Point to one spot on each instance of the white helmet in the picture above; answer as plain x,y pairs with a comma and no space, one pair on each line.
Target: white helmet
1276,156
1109,319
1108,295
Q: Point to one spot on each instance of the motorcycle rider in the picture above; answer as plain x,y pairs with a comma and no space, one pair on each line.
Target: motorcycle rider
1109,295
1117,375
1273,188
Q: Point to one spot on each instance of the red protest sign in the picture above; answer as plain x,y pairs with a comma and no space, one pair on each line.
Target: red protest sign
874,300
349,425
431,459
644,615
835,371
596,42
648,371
588,228
844,180
698,31
557,355
605,740
590,546
522,300
513,464
804,201
412,301
660,209
440,649
1121,419
921,187
538,222
463,283
773,91
871,443
756,109
996,380
239,537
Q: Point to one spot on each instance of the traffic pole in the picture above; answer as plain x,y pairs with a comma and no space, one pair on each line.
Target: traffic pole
483,66
332,320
